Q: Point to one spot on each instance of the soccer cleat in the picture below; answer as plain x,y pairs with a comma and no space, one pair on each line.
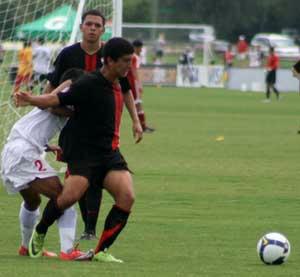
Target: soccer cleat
23,251
36,244
148,130
77,255
106,258
88,236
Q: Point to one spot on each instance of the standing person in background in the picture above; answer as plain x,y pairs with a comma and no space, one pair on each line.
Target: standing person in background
242,48
228,57
272,66
41,63
159,47
256,56
136,84
24,73
228,62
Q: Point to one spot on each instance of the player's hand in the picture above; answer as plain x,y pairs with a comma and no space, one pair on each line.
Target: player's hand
137,131
55,149
21,99
52,148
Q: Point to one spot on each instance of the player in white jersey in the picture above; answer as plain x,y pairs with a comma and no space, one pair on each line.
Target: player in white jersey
24,170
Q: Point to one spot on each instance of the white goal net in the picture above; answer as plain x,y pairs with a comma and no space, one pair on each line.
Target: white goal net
56,22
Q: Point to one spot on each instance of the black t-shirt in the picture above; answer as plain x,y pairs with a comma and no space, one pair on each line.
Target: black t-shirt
93,131
75,57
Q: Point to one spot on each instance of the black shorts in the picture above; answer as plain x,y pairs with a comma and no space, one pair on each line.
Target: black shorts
95,172
271,77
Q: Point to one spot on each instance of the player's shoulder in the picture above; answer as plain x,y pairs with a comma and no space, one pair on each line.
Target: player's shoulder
71,49
88,79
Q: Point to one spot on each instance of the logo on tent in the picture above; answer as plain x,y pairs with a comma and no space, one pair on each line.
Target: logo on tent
56,23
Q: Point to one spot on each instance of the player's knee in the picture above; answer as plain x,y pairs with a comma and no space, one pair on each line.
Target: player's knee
128,198
33,203
66,200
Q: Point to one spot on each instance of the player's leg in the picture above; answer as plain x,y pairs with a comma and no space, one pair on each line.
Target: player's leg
28,216
142,115
92,201
119,184
74,188
276,91
29,210
51,188
83,211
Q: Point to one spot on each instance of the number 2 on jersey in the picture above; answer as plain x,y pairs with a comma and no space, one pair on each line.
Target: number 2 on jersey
39,165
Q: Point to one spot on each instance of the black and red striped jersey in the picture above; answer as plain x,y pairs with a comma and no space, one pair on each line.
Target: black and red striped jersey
93,131
74,56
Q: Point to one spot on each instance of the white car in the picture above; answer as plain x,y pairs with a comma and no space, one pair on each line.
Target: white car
284,46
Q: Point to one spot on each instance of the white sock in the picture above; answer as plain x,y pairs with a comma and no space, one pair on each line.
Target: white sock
28,220
67,229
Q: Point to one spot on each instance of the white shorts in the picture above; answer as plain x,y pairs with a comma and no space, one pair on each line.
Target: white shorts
21,163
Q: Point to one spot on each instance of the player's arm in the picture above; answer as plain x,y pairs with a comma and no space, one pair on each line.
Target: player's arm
48,88
136,125
61,111
137,81
42,101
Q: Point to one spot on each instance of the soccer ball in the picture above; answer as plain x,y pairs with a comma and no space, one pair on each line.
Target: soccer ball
273,248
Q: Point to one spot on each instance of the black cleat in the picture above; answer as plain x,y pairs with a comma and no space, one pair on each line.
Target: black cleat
148,130
88,236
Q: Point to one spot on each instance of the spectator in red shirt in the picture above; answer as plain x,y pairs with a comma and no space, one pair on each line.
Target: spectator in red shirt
228,57
272,66
242,48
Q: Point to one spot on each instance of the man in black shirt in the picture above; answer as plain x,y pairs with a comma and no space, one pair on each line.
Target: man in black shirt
90,143
87,55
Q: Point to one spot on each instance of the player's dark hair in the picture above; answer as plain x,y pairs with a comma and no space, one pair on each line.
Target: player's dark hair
71,74
93,12
116,48
271,49
137,43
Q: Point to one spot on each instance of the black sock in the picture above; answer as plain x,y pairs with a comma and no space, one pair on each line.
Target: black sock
83,208
114,224
93,201
50,214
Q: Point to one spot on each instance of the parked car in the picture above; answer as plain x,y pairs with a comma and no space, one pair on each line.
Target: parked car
284,46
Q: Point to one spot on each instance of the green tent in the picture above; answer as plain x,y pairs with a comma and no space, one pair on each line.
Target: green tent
54,26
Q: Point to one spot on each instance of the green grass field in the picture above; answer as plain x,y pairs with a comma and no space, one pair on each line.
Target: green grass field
201,205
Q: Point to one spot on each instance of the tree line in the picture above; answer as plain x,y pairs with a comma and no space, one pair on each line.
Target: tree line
229,17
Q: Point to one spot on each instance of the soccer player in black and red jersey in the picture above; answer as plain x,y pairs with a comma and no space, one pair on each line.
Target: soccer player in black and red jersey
86,55
136,84
272,66
90,143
